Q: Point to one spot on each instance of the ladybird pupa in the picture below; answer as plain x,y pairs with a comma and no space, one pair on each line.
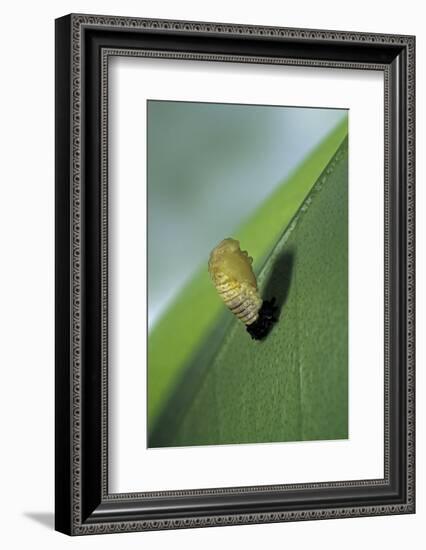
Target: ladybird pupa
232,274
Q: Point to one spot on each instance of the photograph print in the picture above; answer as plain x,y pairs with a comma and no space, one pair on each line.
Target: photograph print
247,274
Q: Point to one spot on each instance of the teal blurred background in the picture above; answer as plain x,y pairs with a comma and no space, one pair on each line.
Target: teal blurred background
209,167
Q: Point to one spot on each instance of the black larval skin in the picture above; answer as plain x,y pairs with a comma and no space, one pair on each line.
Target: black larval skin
266,320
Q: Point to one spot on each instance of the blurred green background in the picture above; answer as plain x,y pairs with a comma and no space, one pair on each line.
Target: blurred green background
219,170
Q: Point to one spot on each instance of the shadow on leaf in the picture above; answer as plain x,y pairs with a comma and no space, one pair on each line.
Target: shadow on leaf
278,281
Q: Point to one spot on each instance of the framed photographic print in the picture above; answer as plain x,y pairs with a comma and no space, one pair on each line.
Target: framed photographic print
234,274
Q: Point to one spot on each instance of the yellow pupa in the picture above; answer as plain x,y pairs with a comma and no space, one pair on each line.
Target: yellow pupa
231,271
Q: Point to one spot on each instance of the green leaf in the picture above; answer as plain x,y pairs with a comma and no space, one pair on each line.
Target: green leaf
293,385
174,343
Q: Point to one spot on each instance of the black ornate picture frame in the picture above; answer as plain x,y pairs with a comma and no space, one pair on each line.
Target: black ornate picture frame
84,43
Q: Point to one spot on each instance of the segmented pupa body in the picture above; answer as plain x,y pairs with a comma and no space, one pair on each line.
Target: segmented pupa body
231,271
